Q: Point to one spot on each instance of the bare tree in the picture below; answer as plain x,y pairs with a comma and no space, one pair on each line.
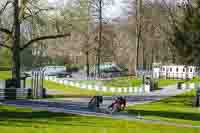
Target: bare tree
22,12
97,7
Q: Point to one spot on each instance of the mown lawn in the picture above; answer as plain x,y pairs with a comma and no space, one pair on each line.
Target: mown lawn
166,82
20,120
126,82
5,75
115,82
195,80
178,109
123,82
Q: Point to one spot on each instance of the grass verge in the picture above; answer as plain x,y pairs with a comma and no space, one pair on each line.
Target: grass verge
175,109
123,82
21,120
166,82
5,75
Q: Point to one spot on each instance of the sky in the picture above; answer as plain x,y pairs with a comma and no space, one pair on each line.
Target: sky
110,11
114,10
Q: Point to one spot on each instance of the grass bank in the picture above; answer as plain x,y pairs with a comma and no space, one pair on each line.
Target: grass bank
129,81
123,82
178,109
21,120
166,82
5,75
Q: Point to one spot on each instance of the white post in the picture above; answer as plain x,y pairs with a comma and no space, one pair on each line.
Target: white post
130,90
135,90
147,88
104,89
71,83
112,89
119,90
192,86
125,90
77,85
83,86
97,88
66,82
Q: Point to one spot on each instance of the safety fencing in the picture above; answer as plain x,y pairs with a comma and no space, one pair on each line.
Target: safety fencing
13,93
138,89
23,93
92,87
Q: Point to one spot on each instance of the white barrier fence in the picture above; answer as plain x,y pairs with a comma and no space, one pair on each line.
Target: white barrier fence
137,90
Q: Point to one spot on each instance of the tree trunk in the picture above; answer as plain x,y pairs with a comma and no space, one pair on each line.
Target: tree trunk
87,65
132,66
152,58
138,29
100,39
143,57
197,100
16,45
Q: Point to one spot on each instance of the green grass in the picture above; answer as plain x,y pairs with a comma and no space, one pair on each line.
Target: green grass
5,75
123,82
126,82
116,82
90,82
20,120
164,82
178,109
195,80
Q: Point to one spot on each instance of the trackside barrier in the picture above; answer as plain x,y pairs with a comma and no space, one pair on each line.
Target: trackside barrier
138,90
20,93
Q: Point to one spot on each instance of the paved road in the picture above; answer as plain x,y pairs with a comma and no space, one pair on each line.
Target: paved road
131,99
80,104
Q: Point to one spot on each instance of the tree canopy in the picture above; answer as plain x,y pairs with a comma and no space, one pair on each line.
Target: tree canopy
185,34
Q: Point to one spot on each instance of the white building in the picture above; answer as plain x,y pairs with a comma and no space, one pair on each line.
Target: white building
174,71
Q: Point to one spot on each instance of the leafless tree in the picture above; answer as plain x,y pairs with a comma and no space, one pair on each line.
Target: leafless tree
23,12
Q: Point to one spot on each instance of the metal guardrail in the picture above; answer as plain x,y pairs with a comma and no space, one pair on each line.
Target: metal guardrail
9,93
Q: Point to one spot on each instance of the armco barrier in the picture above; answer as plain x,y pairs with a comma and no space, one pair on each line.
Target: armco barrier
137,90
20,93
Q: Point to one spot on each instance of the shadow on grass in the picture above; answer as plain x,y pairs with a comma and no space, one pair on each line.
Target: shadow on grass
42,119
166,108
68,96
183,101
168,114
30,115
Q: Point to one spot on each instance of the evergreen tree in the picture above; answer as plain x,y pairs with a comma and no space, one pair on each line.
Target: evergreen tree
185,35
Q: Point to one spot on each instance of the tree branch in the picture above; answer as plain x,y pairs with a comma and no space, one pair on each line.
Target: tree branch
6,31
35,13
5,46
44,38
4,7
